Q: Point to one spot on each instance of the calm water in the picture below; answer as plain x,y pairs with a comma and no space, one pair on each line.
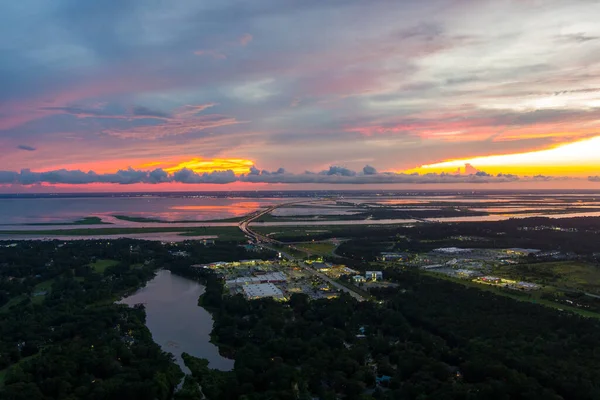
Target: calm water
16,214
58,210
176,321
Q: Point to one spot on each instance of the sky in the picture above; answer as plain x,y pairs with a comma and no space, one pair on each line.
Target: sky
215,94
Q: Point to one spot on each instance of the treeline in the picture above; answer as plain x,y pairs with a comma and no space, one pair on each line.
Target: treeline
367,242
518,347
428,339
71,341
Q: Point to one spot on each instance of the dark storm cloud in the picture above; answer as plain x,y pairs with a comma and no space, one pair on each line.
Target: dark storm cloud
368,170
26,148
147,112
158,176
188,176
338,171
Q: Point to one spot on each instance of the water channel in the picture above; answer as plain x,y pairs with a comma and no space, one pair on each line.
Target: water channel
176,321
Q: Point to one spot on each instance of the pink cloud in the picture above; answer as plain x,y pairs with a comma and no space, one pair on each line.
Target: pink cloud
183,121
191,110
174,127
477,125
211,53
115,82
245,39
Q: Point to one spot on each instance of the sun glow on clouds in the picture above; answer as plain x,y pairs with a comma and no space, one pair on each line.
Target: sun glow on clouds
237,165
580,158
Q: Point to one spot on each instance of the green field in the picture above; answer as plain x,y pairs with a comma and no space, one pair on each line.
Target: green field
12,302
228,233
157,220
83,221
45,286
302,233
289,250
531,297
101,265
137,219
319,248
222,233
5,371
571,275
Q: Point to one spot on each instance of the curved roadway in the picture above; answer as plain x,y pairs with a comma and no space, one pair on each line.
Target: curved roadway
264,241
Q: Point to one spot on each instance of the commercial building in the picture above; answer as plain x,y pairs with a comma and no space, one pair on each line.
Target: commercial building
251,262
451,250
374,275
521,252
387,256
491,279
261,290
467,273
321,267
273,277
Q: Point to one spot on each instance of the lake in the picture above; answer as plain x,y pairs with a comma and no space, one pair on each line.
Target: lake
176,321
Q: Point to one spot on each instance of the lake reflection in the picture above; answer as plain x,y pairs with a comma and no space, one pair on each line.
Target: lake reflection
176,321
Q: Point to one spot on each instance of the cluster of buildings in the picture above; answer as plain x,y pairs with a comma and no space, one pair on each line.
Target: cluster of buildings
259,278
477,264
260,290
370,276
391,257
508,283
547,228
333,271
256,279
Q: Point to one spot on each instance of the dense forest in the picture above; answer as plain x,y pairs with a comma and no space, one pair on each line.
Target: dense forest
62,336
427,339
577,235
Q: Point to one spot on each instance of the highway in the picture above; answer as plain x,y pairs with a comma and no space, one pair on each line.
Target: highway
265,241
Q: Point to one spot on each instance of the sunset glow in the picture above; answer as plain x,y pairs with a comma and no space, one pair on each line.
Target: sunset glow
298,96
580,158
198,165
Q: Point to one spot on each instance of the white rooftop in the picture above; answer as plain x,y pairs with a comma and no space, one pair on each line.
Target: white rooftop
272,277
452,250
260,290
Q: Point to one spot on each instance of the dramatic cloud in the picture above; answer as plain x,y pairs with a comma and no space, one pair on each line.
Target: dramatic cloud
146,112
26,148
338,171
188,176
470,170
368,170
334,175
297,83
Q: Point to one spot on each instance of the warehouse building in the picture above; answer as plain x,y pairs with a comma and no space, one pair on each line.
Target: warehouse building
261,290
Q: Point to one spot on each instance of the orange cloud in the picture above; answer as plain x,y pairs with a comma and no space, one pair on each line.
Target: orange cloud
580,158
199,165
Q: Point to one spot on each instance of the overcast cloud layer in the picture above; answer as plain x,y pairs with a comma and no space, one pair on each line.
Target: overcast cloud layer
333,175
95,85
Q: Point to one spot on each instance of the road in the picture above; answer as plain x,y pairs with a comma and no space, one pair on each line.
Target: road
269,243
